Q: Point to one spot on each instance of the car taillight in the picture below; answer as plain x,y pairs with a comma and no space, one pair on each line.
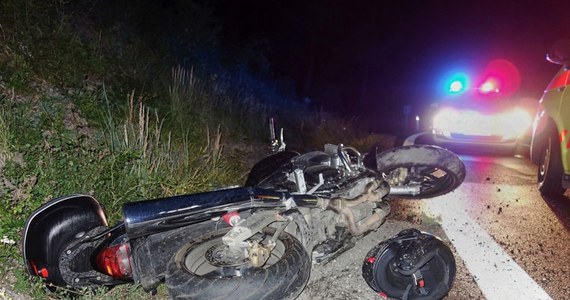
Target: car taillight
115,261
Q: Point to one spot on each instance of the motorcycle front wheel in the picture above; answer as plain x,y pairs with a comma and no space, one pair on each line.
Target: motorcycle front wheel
420,171
205,269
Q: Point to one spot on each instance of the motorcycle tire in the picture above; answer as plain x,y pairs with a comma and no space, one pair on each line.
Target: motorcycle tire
550,169
198,271
438,170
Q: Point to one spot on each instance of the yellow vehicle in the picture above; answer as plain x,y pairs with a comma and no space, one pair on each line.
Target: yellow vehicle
550,145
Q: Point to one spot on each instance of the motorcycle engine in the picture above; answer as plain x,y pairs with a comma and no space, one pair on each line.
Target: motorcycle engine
338,181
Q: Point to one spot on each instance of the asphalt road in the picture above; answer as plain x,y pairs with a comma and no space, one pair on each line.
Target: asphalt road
509,242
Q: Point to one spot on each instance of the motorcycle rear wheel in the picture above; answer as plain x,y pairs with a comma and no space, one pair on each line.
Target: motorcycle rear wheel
436,170
198,271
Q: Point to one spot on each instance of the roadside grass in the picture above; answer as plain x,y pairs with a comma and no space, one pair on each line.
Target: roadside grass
5,134
61,133
74,119
38,46
50,150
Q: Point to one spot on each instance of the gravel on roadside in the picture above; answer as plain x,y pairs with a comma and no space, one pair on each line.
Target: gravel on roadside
341,279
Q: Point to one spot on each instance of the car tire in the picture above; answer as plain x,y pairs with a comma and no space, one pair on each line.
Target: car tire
550,169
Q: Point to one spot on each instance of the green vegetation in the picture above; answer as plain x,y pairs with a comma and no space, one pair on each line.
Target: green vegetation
88,106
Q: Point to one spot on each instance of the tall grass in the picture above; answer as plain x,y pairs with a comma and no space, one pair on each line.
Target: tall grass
209,99
5,133
42,46
175,163
185,94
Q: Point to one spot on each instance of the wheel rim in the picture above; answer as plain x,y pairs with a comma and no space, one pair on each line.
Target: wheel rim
438,276
213,259
431,180
435,272
434,179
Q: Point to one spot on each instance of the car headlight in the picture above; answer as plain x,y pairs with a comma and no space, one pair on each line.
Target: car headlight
507,125
517,121
444,118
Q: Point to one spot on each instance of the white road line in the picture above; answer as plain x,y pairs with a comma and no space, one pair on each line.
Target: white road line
497,274
411,140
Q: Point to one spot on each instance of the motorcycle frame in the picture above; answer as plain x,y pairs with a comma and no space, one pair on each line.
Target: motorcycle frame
162,225
149,227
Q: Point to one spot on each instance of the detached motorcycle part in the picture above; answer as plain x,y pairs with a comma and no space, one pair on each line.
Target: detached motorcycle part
54,226
410,265
206,269
420,171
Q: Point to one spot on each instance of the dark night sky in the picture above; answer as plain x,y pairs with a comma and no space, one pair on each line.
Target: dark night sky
364,56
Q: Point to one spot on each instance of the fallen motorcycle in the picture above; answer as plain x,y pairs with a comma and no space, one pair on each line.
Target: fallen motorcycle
252,242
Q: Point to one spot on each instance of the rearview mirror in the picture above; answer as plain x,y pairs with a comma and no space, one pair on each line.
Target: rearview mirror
560,53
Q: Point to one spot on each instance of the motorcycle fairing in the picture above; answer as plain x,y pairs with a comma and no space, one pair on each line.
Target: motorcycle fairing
267,167
52,227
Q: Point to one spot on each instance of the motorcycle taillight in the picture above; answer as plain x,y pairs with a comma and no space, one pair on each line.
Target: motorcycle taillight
115,261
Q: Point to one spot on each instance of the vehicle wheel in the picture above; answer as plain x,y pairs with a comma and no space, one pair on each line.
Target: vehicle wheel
204,269
550,167
430,170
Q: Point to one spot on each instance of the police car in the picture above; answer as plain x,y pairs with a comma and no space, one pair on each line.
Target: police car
481,112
